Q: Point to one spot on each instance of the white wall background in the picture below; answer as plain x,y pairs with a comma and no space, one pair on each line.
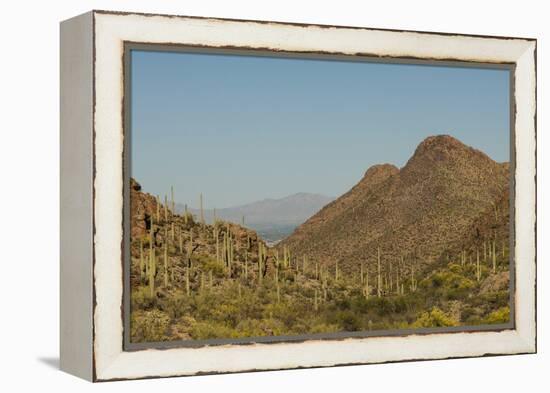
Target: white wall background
29,183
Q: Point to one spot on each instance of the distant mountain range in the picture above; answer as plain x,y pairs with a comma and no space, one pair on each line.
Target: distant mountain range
273,219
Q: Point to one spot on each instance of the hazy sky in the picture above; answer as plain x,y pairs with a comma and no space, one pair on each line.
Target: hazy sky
240,128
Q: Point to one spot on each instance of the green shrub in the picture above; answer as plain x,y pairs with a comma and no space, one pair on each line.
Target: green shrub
149,326
211,329
502,315
434,318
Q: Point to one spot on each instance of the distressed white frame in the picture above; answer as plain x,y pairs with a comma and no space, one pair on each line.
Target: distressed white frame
111,30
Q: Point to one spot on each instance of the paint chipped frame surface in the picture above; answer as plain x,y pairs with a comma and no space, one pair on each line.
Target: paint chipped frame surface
112,30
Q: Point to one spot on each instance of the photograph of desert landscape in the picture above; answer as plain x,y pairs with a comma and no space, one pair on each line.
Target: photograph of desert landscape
286,197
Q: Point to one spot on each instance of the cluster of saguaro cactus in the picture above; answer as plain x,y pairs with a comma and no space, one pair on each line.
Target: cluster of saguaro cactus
388,274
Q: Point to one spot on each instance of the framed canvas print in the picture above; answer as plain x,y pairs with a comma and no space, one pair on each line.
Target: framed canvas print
245,195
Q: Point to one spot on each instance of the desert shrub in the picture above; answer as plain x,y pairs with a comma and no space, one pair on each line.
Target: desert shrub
209,264
434,318
492,300
324,328
176,305
141,299
455,268
149,326
211,329
261,327
447,284
502,315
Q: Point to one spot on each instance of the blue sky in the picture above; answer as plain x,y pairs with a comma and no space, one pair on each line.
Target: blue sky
242,128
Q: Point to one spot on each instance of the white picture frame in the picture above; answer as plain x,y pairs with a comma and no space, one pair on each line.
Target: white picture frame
92,197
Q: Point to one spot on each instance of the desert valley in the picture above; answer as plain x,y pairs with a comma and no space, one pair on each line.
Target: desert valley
425,245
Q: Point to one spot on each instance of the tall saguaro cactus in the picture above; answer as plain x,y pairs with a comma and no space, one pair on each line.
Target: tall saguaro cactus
158,208
152,264
367,289
217,239
494,256
166,258
172,199
261,259
478,267
141,262
413,279
379,277
165,208
187,285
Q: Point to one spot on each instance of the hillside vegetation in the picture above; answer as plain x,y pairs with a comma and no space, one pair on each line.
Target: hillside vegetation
418,247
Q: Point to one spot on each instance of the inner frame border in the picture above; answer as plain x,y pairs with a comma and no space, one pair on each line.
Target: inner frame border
129,46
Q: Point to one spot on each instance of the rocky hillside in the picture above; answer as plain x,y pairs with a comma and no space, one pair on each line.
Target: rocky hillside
156,230
444,192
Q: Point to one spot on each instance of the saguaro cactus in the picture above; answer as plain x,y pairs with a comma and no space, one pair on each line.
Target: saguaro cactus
166,258
260,263
190,248
187,285
158,208
494,256
141,261
379,277
397,286
413,279
172,197
366,289
478,267
391,277
217,238
152,263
